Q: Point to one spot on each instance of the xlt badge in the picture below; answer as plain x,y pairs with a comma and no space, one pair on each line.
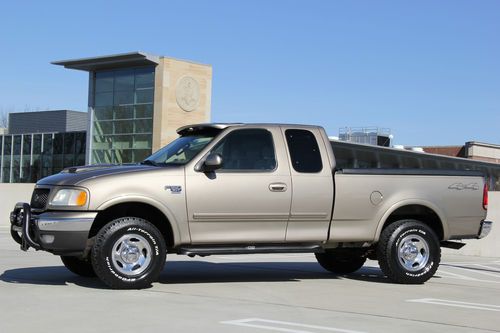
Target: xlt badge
174,189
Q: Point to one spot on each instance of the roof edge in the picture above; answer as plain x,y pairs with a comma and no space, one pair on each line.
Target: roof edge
109,61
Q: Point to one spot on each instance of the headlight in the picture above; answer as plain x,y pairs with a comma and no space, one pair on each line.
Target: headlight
67,197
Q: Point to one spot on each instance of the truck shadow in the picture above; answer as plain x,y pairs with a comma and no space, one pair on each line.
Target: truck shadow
184,272
48,275
199,272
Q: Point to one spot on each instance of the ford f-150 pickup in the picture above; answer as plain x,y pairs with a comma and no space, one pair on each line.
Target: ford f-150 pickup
250,188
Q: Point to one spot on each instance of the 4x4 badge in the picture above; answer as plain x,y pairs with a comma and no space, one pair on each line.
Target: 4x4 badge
461,186
174,189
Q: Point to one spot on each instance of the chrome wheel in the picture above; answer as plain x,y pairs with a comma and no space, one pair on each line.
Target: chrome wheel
131,254
413,253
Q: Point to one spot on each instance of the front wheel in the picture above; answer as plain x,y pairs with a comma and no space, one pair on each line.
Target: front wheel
408,252
129,253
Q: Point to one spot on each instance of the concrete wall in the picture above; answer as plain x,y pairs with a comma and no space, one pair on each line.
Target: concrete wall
10,194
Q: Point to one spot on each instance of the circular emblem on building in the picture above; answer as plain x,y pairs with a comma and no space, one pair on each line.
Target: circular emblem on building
187,93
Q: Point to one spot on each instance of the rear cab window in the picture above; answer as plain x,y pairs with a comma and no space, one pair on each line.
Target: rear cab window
304,151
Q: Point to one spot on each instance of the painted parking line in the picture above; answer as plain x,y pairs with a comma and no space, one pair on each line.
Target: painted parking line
489,267
284,326
458,304
495,262
474,270
471,271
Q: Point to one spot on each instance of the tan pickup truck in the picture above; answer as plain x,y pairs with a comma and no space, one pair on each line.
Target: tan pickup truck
249,188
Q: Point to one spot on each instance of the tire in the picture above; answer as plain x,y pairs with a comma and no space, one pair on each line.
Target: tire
408,252
129,253
79,266
340,263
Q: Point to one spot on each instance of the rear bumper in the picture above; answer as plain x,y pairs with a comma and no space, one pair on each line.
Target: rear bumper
56,232
484,229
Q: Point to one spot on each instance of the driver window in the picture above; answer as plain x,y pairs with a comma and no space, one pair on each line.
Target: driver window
247,149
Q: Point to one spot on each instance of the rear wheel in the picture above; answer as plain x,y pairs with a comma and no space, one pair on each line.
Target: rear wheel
340,263
129,253
408,252
79,266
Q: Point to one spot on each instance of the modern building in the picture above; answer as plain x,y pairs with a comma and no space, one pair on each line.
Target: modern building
136,101
480,151
40,144
47,121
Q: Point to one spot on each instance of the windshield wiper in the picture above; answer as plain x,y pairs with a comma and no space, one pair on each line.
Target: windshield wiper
149,162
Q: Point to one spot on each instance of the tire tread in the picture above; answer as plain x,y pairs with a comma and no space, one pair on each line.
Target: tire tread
385,256
106,232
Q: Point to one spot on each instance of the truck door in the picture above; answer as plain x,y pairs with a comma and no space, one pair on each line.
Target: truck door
248,199
312,188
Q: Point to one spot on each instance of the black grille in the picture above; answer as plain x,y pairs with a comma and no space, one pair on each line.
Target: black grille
39,198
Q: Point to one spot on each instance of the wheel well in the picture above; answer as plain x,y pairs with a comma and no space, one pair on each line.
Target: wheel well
418,212
135,209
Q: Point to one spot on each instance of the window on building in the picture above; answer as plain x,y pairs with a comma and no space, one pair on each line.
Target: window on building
16,159
7,158
36,166
7,146
123,115
26,159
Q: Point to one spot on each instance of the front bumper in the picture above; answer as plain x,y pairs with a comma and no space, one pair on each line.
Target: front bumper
57,232
484,229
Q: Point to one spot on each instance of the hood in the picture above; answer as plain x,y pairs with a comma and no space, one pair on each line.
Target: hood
75,175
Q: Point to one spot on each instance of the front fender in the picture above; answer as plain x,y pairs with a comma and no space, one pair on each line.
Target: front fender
152,202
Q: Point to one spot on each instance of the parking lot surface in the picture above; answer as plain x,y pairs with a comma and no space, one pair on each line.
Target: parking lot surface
243,294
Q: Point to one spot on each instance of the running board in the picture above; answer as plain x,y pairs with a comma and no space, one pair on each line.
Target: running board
247,249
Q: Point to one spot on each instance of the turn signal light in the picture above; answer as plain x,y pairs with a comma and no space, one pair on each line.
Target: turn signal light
81,199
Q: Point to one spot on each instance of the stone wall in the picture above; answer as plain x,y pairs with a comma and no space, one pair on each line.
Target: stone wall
183,93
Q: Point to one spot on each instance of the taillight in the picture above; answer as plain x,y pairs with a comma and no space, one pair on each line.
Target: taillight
485,196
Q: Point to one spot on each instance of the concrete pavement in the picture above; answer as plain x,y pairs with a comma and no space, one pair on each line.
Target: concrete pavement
253,293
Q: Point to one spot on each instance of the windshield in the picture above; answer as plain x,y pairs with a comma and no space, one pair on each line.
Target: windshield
180,151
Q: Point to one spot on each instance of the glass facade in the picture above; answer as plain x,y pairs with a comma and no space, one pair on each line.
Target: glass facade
26,158
122,125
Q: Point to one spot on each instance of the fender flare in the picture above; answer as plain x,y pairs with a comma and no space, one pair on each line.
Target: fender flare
412,202
146,200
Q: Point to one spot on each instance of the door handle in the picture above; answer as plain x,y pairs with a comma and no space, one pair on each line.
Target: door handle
277,187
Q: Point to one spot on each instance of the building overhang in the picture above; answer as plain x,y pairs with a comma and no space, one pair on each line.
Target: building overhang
132,59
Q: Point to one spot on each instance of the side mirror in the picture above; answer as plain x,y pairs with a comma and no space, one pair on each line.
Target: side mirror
213,162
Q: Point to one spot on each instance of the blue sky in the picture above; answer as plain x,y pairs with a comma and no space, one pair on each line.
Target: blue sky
429,70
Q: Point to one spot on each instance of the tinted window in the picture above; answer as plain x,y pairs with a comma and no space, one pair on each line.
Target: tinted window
247,149
123,115
304,151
